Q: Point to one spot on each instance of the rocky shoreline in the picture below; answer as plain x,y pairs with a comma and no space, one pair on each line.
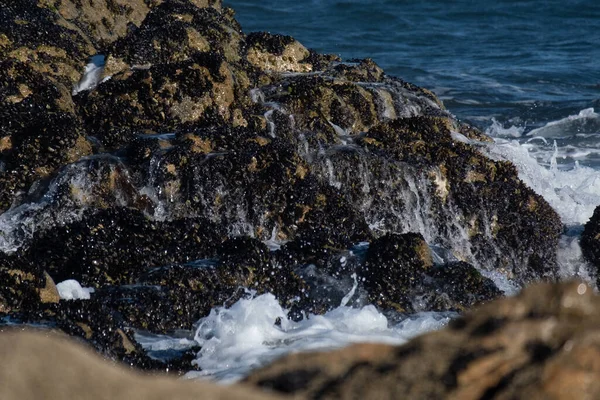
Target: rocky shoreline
197,161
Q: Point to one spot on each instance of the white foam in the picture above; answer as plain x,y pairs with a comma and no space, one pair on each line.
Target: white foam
573,193
255,331
157,342
498,130
72,290
586,121
91,75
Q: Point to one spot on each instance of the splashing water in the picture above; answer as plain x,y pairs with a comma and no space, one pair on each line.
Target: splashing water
572,190
255,331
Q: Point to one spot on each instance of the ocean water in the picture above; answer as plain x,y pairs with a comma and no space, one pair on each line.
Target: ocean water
524,71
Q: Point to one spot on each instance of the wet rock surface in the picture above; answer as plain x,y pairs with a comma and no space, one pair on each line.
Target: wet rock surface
541,344
201,163
590,239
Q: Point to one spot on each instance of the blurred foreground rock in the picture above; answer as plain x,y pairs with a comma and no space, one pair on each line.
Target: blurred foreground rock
541,344
48,366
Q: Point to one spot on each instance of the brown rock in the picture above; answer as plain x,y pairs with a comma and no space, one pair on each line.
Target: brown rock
59,53
105,20
277,53
46,366
49,293
542,344
160,98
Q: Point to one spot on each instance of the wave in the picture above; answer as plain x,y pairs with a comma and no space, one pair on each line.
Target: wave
587,121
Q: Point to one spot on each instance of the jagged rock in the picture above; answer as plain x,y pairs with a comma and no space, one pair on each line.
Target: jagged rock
173,32
346,99
542,343
44,365
20,289
103,21
501,220
49,293
454,286
59,54
163,98
276,53
176,296
114,246
590,240
39,129
101,181
394,264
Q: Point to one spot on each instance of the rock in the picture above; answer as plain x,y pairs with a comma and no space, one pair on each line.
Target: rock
78,373
590,240
40,131
162,98
172,32
176,296
276,53
25,286
49,293
102,21
454,286
455,182
115,246
345,99
542,343
20,288
59,54
394,264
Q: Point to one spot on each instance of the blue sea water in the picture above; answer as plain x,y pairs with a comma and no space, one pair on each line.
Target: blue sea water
523,63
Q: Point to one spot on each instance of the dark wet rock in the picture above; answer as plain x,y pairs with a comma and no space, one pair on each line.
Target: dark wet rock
542,343
263,273
359,71
173,32
100,181
115,245
394,265
331,279
163,98
347,99
176,296
59,54
506,223
454,286
590,240
20,288
39,129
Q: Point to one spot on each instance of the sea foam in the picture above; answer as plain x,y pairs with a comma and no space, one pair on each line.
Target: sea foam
255,331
